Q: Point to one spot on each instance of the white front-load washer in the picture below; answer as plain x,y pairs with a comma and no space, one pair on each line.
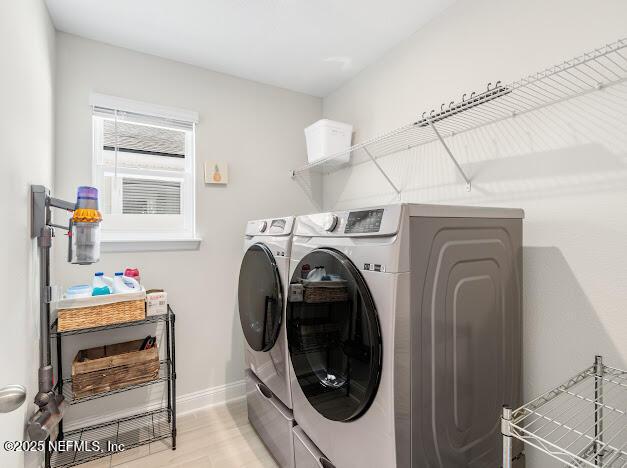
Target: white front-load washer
263,279
405,338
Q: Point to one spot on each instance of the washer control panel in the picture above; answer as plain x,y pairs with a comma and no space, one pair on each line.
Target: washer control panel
375,222
361,222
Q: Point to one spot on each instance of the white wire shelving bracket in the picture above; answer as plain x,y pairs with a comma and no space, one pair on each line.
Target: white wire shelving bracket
581,423
590,72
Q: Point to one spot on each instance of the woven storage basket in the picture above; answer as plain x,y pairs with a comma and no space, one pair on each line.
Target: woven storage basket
112,367
99,311
322,294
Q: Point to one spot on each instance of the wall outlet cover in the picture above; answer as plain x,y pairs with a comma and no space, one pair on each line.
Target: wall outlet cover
216,172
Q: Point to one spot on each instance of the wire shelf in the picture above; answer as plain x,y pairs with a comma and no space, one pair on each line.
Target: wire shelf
164,376
582,423
151,319
592,71
130,432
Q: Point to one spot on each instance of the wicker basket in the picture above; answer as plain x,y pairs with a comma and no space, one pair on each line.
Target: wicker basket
314,294
112,367
101,315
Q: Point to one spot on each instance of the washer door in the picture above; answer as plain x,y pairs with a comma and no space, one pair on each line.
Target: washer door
260,298
334,336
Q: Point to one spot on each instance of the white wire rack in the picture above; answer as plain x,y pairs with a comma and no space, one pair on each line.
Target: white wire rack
590,72
582,423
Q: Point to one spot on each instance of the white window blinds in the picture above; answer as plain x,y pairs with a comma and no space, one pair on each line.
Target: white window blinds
149,196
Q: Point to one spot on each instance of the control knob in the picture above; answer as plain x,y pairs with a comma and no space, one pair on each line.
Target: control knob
331,223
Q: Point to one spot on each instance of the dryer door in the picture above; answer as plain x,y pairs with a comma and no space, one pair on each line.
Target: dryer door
260,298
334,336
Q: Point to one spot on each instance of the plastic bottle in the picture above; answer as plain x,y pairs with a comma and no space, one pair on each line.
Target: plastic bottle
317,274
100,281
132,273
78,291
131,283
103,291
305,270
122,284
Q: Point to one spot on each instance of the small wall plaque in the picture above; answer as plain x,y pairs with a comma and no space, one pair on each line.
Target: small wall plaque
216,172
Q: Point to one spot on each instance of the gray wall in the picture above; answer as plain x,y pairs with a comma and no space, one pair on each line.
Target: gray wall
26,144
257,129
565,166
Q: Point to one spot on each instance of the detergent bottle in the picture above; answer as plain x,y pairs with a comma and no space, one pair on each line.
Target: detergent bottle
132,273
123,284
99,286
100,281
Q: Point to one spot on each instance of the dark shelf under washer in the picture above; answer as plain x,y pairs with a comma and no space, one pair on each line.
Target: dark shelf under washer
131,431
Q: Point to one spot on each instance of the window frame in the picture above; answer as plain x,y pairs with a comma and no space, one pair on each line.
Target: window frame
153,233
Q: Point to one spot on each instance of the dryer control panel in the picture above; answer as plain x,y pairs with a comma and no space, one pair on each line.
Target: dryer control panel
270,227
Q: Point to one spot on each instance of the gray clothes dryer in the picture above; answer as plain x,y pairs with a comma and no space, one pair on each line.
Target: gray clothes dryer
409,360
262,289
262,285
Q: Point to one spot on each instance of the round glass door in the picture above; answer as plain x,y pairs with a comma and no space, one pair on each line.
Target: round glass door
333,335
260,298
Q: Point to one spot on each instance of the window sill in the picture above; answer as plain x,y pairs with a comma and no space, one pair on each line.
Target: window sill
148,245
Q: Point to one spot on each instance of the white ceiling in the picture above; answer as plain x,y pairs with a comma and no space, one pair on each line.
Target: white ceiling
310,46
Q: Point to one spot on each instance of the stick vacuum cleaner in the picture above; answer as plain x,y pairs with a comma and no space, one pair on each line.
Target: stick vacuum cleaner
83,249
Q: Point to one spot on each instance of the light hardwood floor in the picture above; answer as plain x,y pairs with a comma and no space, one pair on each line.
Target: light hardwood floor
219,436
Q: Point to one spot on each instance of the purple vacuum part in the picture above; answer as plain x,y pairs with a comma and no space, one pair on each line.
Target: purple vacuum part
87,197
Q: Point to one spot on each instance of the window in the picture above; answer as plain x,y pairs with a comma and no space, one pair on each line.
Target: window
143,165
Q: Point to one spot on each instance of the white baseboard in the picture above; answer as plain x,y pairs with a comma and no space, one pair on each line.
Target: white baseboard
187,403
210,396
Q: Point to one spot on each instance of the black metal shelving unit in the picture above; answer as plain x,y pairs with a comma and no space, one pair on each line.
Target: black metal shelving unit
104,439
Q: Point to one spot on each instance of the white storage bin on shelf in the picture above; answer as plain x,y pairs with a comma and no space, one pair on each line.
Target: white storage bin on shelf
327,138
